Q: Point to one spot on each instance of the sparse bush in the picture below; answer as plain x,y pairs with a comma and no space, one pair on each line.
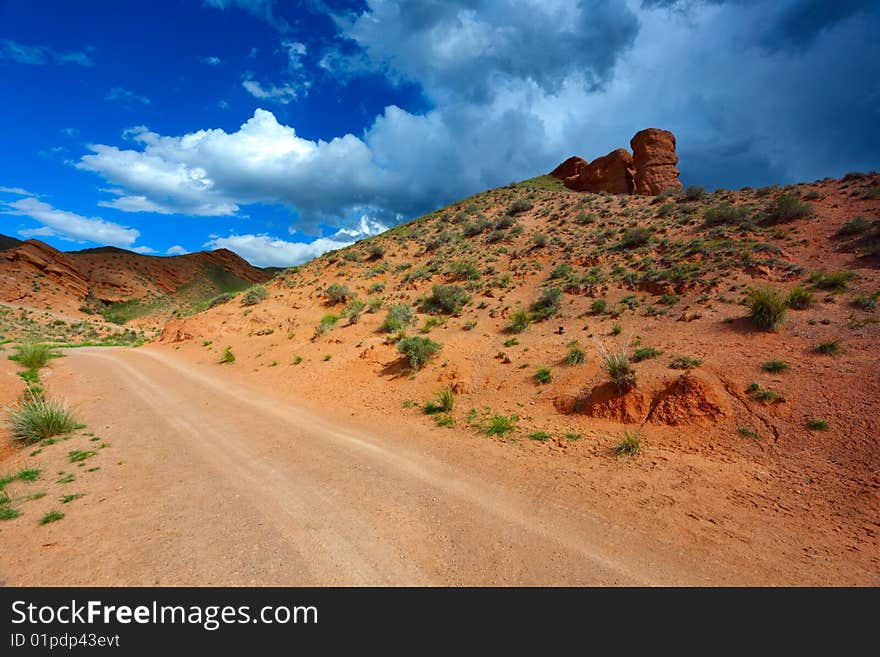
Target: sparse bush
645,353
831,281
539,240
51,516
815,424
775,366
446,400
375,252
37,418
761,394
635,237
354,309
786,207
327,322
725,213
518,207
799,299
866,302
830,347
618,367
630,445
561,271
220,299
854,227
418,350
501,424
766,308
519,322
253,295
599,307
694,193
228,356
576,354
398,318
543,376
547,305
443,404
460,270
685,363
337,293
445,300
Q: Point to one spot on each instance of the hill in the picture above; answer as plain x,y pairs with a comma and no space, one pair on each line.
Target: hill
518,292
116,284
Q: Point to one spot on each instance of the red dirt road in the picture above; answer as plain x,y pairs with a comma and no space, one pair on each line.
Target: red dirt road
206,482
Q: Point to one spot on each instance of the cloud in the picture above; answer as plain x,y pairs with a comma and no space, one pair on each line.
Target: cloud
126,97
70,226
176,250
501,111
212,172
18,191
222,104
463,48
295,52
211,61
41,55
266,251
283,94
263,9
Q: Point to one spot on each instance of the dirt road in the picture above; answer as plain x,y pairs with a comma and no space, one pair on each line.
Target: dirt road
209,483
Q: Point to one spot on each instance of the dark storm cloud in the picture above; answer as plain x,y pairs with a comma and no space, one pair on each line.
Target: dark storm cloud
798,24
462,48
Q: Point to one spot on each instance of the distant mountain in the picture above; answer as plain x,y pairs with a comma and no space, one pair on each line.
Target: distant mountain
7,242
120,285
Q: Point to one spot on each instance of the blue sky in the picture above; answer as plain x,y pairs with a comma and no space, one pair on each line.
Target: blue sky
281,129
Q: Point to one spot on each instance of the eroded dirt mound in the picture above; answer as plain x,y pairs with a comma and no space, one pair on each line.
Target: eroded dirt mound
607,402
688,400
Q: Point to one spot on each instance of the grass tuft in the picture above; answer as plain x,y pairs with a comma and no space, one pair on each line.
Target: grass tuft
37,418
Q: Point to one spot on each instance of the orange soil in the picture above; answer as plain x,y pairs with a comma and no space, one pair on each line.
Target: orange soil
793,506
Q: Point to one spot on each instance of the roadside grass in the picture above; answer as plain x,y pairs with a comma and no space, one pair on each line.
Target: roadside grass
37,418
52,516
444,403
34,355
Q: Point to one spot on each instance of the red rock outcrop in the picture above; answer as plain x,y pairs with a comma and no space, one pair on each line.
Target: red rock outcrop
569,168
655,159
612,173
649,171
33,259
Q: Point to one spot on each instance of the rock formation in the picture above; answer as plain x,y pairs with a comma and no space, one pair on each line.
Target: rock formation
650,170
655,159
569,168
610,173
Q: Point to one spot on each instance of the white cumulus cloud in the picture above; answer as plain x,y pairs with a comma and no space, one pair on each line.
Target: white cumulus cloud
69,225
266,251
